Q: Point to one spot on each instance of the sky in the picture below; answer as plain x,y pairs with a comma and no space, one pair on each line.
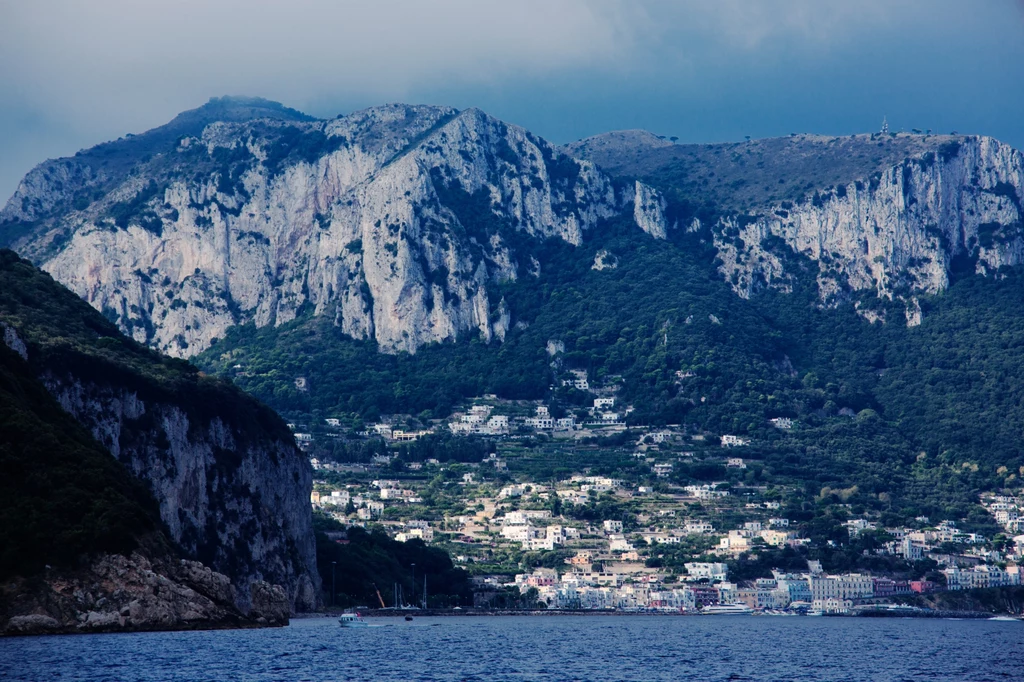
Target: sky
75,73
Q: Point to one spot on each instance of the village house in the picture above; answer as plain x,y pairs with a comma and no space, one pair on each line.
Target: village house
611,526
662,470
714,572
699,527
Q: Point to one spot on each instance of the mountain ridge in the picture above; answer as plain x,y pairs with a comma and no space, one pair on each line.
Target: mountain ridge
373,217
472,251
357,216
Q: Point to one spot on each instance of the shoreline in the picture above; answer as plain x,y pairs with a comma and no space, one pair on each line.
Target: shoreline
445,613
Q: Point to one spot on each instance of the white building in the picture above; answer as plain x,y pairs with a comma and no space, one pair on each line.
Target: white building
498,422
845,587
662,470
579,380
618,543
712,571
857,526
611,526
699,527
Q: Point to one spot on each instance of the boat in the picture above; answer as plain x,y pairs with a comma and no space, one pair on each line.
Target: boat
1004,619
815,612
727,610
352,620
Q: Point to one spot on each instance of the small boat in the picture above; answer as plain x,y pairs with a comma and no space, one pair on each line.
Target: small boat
408,618
815,612
727,610
1004,619
352,620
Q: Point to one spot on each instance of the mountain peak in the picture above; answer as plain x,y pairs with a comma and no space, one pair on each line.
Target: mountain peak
233,109
615,144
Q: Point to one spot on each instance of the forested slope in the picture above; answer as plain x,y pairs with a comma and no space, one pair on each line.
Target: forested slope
915,420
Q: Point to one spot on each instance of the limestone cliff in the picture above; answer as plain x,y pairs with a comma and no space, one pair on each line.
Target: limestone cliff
117,593
237,501
232,489
392,221
905,230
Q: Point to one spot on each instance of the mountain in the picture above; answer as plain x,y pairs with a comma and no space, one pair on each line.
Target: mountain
403,259
374,220
174,453
81,545
881,216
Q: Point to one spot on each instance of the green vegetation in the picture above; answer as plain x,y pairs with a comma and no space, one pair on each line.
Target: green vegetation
992,599
360,562
906,421
61,493
66,336
734,177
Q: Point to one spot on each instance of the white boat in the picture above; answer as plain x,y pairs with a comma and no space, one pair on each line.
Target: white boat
727,610
352,620
1005,619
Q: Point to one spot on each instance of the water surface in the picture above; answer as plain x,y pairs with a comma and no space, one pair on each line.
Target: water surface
539,648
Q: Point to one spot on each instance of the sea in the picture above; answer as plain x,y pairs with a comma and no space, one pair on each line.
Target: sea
645,648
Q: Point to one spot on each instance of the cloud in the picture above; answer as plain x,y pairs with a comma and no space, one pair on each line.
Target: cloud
137,58
89,56
75,73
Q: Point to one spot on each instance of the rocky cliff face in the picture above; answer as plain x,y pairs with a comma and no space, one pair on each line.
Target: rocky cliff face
117,593
903,231
392,221
239,504
232,488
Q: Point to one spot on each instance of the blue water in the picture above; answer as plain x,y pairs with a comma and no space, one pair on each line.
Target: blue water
540,648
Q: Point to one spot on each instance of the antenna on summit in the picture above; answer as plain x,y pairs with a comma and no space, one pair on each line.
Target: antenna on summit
885,126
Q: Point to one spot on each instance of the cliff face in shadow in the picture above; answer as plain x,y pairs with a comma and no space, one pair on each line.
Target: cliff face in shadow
229,486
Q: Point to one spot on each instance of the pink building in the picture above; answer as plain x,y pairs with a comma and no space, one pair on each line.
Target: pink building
922,586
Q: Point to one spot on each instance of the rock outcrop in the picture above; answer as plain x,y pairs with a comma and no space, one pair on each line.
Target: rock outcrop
904,231
395,221
392,221
117,593
231,486
238,503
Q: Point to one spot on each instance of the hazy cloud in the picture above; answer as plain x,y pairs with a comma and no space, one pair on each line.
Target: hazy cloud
74,73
